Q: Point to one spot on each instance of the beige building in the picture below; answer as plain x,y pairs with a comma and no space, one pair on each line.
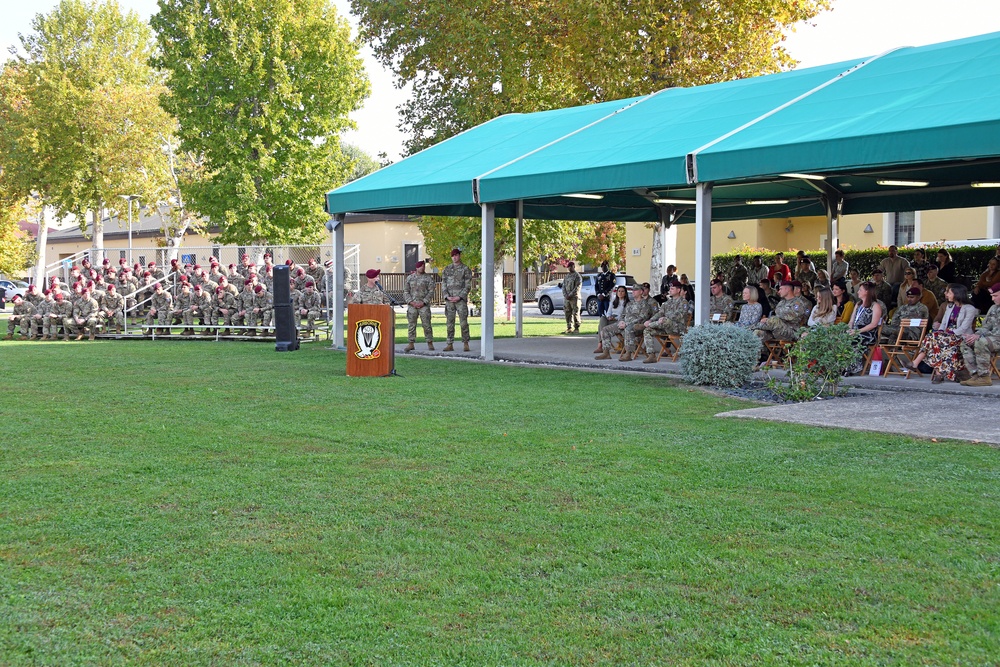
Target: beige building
810,233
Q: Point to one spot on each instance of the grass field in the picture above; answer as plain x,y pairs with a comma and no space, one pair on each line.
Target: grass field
192,503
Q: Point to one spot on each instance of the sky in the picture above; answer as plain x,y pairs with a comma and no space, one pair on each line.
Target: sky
852,29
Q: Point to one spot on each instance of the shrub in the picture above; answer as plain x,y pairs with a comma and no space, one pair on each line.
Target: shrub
720,355
816,363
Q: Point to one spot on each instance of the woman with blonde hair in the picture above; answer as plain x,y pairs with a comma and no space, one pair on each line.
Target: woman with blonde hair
824,312
752,311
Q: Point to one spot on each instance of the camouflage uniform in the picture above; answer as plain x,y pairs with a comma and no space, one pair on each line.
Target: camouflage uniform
372,295
42,310
201,307
244,306
263,309
181,305
115,304
225,307
917,311
418,287
722,304
456,281
637,311
85,309
22,314
784,323
937,288
571,287
311,302
979,356
162,304
674,311
59,313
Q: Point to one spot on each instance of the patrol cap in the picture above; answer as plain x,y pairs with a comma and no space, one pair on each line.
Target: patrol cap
372,273
637,287
913,291
994,288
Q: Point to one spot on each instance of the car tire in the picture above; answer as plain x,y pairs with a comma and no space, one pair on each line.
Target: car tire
592,305
545,305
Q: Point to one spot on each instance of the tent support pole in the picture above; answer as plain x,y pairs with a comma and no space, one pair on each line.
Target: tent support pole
488,304
833,209
518,270
993,222
337,316
702,252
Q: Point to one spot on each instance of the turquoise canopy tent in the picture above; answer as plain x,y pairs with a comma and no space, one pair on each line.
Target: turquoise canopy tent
912,129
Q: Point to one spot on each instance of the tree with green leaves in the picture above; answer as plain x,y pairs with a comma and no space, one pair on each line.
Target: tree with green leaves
469,61
85,122
261,90
362,163
17,251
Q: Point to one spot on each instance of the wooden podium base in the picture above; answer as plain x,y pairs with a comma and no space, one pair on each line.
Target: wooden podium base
371,340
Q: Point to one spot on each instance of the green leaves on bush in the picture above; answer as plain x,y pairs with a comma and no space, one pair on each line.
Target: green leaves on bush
723,356
816,363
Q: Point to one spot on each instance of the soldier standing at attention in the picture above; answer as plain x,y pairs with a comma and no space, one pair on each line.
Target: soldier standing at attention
370,292
418,289
571,287
456,283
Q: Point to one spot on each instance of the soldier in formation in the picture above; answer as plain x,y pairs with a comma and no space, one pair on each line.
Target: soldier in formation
456,283
571,286
418,290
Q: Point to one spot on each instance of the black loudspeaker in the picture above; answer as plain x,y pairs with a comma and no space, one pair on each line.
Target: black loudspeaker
285,335
282,295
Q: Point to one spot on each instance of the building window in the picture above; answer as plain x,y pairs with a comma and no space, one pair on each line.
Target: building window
905,224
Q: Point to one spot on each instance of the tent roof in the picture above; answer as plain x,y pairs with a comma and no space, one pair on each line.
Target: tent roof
928,113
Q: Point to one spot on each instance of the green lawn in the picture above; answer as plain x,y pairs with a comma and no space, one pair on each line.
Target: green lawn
193,503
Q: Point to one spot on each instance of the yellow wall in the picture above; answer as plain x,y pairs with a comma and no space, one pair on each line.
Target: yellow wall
852,234
952,224
381,243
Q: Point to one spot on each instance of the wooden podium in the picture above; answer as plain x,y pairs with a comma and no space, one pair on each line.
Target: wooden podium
371,340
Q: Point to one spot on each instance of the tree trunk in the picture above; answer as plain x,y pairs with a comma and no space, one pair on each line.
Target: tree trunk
97,244
499,305
656,268
43,241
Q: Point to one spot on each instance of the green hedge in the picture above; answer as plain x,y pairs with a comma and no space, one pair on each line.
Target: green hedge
969,261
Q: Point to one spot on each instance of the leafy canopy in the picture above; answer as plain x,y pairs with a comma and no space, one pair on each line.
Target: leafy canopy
261,90
83,123
471,60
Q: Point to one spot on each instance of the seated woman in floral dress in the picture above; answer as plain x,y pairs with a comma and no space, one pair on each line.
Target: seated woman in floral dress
940,348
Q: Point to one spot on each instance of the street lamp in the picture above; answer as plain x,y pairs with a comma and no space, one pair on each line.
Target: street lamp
129,199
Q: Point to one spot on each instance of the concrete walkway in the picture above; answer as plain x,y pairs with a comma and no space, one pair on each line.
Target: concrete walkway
909,406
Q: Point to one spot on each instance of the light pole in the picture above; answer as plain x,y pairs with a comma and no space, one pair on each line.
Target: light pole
129,199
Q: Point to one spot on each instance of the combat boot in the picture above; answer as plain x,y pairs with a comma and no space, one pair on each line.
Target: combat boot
9,336
626,355
449,347
409,347
430,345
650,358
92,334
66,336
225,333
465,346
118,328
605,354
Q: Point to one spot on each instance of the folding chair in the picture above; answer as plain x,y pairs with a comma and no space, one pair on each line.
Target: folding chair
994,368
718,318
905,347
672,342
777,351
871,350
